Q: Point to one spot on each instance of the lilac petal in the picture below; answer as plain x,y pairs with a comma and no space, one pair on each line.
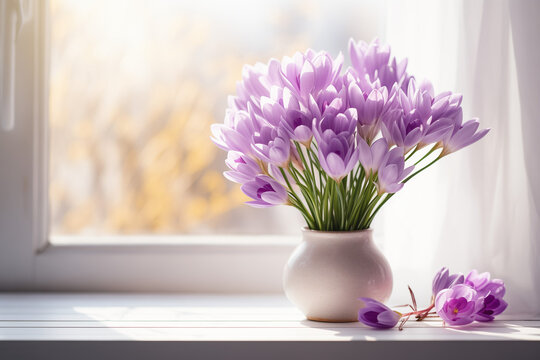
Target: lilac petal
258,204
290,102
467,130
250,189
237,177
307,78
388,318
272,198
479,135
314,108
407,171
389,173
495,287
442,299
356,97
227,138
303,133
412,138
379,149
336,167
439,130
365,154
476,280
463,291
352,161
370,301
461,321
397,135
373,107
376,314
393,188
353,53
370,316
440,280
423,106
439,107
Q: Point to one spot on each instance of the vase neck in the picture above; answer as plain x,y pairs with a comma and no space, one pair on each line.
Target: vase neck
337,236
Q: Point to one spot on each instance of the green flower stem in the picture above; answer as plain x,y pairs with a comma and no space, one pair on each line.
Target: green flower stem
341,197
427,154
311,183
365,219
324,203
309,176
329,205
296,202
357,183
412,153
422,169
366,193
307,193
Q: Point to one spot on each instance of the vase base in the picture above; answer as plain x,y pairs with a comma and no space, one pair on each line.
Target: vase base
312,318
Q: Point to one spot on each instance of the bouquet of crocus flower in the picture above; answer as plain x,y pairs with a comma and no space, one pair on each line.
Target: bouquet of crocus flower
337,144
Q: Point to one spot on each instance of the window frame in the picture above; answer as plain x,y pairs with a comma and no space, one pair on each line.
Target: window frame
31,259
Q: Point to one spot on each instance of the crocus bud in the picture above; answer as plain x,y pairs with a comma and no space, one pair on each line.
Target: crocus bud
444,280
377,315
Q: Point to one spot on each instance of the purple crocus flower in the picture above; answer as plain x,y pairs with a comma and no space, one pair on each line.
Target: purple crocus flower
424,119
495,287
370,105
373,60
491,305
296,121
444,280
298,126
436,131
377,315
457,305
272,145
310,73
490,292
337,157
272,108
407,127
236,132
463,134
337,154
392,171
445,105
265,191
243,168
328,103
371,157
253,86
477,281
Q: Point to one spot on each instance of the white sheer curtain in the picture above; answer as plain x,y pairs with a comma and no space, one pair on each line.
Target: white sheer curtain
478,208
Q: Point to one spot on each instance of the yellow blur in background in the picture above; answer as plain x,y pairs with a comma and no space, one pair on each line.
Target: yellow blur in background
134,87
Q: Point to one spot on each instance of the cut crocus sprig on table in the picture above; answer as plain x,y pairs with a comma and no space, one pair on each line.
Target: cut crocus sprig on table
456,299
337,144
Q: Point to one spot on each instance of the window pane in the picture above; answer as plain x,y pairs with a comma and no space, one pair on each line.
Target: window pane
135,86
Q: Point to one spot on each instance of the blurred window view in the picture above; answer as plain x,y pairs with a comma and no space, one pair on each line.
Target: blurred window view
134,87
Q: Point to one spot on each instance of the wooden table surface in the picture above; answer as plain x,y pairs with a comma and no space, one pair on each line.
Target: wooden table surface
43,321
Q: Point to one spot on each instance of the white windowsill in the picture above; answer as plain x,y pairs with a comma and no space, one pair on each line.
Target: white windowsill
174,240
187,264
259,326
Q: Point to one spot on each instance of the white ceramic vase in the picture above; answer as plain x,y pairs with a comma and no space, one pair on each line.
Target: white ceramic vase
329,271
